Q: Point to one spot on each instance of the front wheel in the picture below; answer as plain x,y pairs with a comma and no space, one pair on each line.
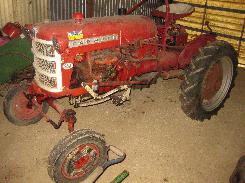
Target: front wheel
17,110
208,80
76,156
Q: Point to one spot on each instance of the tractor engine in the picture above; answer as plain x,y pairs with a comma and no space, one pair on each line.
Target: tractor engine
67,53
100,65
108,64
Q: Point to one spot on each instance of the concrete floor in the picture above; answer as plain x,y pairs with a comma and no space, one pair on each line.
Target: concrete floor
161,143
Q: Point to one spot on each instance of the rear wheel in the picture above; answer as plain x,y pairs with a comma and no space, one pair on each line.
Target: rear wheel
208,80
17,110
76,156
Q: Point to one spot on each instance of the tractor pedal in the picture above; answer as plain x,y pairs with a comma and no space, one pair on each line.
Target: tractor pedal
117,100
148,77
120,99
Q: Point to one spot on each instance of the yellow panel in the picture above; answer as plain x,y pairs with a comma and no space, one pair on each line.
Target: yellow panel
242,61
214,28
225,4
223,22
220,18
242,52
235,4
202,2
215,23
222,13
235,1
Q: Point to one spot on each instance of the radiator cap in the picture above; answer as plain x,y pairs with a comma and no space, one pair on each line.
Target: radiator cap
78,17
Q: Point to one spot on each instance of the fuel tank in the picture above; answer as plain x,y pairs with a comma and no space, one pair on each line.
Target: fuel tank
97,33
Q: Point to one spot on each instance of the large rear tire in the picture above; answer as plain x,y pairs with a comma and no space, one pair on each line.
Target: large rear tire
76,156
15,107
208,80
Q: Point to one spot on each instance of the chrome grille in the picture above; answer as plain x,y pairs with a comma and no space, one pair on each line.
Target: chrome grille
44,49
47,64
50,82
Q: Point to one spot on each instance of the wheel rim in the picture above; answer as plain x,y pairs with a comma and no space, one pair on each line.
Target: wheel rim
216,84
80,161
21,109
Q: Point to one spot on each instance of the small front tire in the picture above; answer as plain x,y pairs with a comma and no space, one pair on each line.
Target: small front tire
16,110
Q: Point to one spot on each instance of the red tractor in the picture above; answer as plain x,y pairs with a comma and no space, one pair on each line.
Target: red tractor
94,60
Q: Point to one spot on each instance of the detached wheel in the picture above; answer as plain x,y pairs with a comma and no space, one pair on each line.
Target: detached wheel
208,80
76,156
16,109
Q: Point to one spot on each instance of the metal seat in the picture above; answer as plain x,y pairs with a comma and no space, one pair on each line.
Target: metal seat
177,8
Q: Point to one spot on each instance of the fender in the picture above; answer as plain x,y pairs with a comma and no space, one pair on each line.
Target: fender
192,48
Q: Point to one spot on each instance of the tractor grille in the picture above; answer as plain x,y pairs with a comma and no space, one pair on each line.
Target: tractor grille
47,64
50,82
44,49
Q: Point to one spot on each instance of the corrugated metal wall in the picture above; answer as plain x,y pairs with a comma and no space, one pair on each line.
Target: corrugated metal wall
6,12
110,8
23,11
226,17
65,8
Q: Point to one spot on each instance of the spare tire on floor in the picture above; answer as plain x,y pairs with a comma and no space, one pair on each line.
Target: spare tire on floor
76,156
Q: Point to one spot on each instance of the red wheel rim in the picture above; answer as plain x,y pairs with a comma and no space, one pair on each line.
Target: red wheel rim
212,82
216,83
21,109
80,161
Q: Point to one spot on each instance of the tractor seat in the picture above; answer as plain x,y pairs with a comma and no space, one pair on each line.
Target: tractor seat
177,11
177,8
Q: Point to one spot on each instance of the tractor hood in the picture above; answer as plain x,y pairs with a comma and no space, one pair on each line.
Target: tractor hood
103,32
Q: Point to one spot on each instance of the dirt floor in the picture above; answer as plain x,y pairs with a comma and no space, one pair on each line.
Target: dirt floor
162,144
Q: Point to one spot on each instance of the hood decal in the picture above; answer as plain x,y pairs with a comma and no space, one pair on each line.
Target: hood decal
75,35
93,40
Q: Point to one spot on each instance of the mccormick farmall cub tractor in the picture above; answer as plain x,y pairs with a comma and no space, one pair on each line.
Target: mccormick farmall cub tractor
95,60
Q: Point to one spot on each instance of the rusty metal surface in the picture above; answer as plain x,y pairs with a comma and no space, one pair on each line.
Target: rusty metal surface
212,82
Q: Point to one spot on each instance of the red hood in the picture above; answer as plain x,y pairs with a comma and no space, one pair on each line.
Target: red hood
128,28
58,29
